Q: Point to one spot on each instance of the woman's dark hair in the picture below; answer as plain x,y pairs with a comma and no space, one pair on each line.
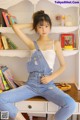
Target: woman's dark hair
40,17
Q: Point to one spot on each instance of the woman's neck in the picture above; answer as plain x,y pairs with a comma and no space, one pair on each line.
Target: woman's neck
44,38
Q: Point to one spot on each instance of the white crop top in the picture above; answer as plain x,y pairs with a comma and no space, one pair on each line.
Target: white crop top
49,55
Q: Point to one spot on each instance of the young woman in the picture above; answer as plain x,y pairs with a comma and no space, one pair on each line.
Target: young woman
41,74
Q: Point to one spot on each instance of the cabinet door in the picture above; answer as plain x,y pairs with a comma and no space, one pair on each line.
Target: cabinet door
31,106
77,109
52,107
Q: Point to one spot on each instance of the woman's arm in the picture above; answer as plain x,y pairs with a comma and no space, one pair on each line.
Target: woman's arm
60,56
18,30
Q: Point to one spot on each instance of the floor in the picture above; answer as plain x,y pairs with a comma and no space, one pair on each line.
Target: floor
73,117
34,118
40,118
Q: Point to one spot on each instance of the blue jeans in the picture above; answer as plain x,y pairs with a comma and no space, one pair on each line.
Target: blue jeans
49,91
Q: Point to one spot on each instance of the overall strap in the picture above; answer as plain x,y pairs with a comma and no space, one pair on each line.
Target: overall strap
37,48
36,45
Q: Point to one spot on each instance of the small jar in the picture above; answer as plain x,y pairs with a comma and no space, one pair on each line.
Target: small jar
63,20
58,20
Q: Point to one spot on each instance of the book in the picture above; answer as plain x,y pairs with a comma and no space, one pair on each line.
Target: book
2,21
5,43
5,14
9,77
1,84
67,41
11,44
1,91
1,45
12,19
6,86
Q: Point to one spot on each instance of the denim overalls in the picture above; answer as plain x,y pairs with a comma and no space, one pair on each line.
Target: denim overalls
37,68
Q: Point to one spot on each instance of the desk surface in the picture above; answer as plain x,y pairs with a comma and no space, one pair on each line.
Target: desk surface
73,92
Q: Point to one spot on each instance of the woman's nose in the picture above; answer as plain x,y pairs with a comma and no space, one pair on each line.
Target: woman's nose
43,28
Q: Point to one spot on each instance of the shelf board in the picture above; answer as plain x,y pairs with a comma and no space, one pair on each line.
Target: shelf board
14,53
6,30
25,53
69,52
10,30
55,29
63,29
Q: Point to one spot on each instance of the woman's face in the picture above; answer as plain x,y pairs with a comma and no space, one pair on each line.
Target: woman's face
43,28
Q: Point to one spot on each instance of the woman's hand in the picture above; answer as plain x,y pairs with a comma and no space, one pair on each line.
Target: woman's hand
46,79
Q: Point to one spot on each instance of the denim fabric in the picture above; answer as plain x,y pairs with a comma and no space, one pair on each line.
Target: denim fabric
37,68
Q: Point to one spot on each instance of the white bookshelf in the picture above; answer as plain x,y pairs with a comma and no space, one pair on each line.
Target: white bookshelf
25,53
23,10
18,8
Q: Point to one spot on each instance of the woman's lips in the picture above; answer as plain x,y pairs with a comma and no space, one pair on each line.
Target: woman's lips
44,33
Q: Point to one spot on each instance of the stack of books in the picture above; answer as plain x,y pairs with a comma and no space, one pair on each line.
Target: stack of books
6,43
6,18
6,79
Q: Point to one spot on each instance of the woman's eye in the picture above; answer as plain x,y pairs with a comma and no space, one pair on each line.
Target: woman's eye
39,26
46,25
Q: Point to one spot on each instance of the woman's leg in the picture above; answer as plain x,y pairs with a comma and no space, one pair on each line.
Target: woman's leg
8,98
66,103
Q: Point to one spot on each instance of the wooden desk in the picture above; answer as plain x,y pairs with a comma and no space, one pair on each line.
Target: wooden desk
39,105
74,93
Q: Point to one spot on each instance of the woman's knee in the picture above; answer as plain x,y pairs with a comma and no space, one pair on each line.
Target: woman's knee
71,104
